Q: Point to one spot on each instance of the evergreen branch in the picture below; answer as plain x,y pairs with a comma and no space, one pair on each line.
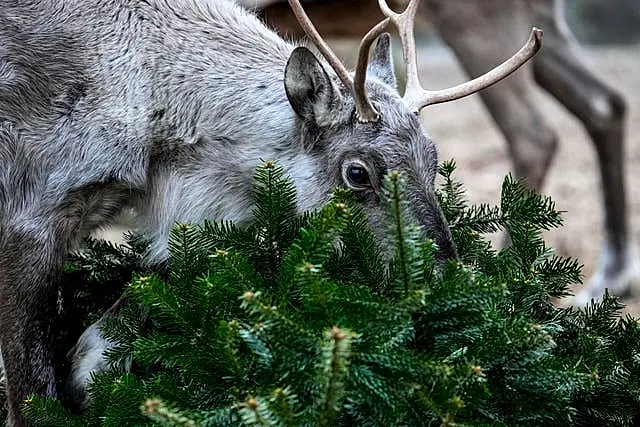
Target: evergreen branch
477,342
313,247
375,390
451,195
225,235
123,330
275,410
557,273
274,215
162,301
162,414
218,417
283,402
177,351
116,398
265,312
359,258
395,197
259,348
522,205
44,412
480,219
253,413
413,255
187,254
602,316
336,353
229,275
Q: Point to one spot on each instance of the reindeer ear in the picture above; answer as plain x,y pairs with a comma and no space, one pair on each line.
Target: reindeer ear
381,63
309,89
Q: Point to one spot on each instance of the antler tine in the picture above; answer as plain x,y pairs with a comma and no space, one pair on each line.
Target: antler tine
322,46
366,111
404,22
422,98
416,97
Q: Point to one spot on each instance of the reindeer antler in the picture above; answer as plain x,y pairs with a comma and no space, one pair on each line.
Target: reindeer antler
416,97
359,92
364,109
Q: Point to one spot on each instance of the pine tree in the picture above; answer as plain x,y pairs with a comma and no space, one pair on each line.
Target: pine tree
300,320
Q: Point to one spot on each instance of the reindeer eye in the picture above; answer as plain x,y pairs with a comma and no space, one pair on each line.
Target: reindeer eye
358,176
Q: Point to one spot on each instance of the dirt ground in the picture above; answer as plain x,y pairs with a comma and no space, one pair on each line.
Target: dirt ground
464,131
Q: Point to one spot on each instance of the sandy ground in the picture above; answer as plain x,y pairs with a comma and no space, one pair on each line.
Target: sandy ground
464,131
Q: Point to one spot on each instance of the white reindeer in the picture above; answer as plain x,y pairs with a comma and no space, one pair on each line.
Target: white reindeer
167,106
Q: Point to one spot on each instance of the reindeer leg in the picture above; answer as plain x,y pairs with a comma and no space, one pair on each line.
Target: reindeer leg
530,140
465,26
28,276
29,268
562,72
36,233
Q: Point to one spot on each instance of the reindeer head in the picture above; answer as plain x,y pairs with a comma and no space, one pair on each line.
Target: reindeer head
361,128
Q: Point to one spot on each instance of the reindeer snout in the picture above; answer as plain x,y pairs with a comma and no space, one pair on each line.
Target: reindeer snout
430,216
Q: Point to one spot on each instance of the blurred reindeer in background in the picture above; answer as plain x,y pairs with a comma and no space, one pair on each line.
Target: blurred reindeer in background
467,26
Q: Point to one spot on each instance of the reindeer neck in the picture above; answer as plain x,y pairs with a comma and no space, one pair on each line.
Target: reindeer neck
218,74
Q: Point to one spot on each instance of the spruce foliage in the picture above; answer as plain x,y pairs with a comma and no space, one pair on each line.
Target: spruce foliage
303,320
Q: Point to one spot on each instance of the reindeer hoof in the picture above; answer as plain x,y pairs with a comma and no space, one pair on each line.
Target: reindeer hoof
619,274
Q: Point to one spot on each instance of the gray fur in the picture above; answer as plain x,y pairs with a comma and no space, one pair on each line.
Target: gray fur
165,107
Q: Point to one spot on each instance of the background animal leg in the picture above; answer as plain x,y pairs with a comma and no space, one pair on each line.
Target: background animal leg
562,72
466,27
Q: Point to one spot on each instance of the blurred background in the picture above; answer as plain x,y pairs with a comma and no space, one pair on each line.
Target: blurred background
609,31
604,21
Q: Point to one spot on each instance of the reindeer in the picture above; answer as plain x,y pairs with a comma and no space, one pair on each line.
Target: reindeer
137,104
560,69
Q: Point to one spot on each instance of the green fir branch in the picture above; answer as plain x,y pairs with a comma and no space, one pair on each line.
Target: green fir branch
160,413
333,367
239,327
